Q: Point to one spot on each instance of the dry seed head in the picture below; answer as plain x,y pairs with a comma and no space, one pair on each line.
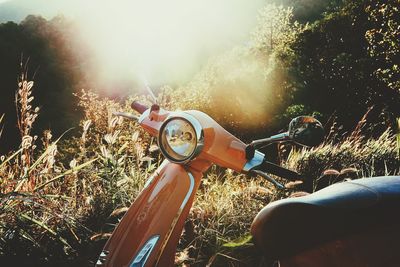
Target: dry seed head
53,150
135,136
293,184
86,125
29,85
181,257
73,163
44,170
48,135
88,200
104,152
120,120
258,190
139,151
111,138
147,158
50,161
153,148
119,211
113,122
26,141
108,138
298,194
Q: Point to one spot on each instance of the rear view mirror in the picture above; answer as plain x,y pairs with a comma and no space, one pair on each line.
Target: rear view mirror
306,131
303,130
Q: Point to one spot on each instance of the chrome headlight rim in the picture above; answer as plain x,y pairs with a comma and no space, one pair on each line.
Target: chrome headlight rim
198,131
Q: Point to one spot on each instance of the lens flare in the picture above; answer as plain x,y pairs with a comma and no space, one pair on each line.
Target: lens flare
166,41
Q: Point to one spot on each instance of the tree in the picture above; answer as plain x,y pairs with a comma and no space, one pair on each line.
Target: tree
333,72
384,40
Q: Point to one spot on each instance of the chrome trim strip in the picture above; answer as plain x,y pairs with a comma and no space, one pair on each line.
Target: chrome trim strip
186,199
149,180
255,161
144,115
184,202
196,124
102,258
199,135
144,253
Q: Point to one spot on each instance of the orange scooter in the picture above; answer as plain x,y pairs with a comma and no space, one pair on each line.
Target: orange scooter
191,142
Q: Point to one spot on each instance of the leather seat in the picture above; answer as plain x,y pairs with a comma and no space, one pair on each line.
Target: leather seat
288,226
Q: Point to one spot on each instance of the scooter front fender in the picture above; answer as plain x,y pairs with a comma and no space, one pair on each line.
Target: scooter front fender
150,230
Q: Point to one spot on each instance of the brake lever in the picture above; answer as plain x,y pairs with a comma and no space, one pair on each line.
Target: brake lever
269,179
126,115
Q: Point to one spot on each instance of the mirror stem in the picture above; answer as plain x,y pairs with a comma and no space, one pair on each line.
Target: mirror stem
269,140
260,143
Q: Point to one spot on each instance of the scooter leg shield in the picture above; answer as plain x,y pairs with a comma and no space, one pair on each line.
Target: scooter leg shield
149,232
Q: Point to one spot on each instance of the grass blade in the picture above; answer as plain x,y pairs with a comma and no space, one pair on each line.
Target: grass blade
44,226
77,168
40,159
10,157
241,241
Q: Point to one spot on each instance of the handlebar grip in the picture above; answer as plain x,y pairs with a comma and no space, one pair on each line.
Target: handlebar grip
277,170
138,107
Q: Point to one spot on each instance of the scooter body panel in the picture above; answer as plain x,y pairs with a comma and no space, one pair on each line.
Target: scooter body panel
151,228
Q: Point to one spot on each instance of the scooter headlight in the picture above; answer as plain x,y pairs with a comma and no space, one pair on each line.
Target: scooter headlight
181,138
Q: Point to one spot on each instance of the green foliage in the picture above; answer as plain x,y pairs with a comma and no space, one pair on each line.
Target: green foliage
61,198
333,71
309,10
275,30
244,88
383,39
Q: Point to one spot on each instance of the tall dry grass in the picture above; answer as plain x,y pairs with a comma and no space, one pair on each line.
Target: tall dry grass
50,189
62,197
60,206
355,155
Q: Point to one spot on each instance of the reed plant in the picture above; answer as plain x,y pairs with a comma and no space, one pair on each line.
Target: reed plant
62,197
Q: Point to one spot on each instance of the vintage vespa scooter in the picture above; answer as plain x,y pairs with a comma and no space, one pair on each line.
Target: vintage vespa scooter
191,142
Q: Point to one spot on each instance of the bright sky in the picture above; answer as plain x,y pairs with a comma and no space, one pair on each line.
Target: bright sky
164,40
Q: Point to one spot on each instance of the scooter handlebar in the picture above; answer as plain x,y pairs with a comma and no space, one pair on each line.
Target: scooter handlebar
277,170
138,107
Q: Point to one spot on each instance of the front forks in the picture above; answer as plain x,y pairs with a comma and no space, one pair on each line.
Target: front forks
149,232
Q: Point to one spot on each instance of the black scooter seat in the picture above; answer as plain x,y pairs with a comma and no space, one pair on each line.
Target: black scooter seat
288,226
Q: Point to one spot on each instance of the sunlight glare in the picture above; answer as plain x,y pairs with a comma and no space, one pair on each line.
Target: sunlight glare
166,41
